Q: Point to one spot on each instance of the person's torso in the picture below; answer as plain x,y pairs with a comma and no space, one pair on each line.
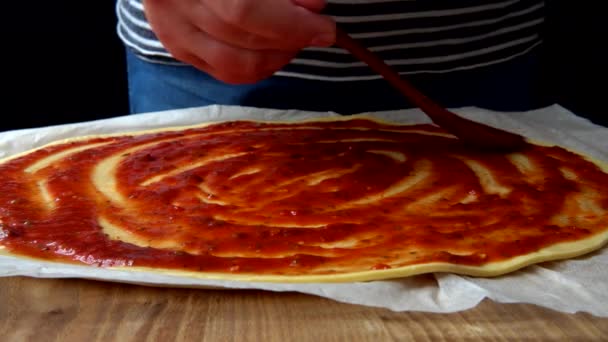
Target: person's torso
414,36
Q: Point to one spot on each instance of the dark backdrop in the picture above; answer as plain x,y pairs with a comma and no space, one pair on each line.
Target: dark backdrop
576,57
64,62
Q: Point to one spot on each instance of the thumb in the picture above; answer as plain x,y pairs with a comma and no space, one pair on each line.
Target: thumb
311,5
316,6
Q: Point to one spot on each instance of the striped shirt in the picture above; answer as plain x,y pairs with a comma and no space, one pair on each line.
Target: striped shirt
413,36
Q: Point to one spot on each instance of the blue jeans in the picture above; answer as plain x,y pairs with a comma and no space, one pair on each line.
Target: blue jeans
510,86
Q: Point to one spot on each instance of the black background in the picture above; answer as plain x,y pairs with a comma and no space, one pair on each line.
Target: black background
63,61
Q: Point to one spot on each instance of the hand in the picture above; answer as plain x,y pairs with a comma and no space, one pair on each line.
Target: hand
239,41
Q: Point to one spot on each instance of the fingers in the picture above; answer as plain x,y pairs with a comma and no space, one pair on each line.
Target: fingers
214,26
238,41
228,63
282,20
311,5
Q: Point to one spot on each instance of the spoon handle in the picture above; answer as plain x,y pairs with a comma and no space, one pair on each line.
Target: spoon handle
470,132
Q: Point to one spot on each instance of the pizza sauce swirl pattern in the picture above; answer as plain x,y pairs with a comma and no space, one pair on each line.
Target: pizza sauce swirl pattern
294,199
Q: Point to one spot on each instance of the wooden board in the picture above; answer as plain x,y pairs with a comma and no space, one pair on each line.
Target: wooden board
81,310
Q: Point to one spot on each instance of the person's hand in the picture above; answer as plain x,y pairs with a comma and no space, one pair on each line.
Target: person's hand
239,41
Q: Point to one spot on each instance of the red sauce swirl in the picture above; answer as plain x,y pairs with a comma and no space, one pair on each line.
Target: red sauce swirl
292,199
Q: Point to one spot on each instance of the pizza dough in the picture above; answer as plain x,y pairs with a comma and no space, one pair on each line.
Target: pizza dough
347,199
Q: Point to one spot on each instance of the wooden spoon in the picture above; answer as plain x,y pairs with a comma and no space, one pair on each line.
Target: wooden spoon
472,133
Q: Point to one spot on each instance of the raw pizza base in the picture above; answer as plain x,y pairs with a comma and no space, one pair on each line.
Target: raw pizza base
563,250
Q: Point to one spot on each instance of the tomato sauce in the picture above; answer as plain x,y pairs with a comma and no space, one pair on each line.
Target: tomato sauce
291,199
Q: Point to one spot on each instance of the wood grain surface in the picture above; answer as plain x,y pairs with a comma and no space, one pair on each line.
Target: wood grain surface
81,310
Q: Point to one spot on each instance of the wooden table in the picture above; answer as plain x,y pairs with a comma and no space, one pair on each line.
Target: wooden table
81,310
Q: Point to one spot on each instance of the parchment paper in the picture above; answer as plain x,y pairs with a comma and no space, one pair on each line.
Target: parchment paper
571,286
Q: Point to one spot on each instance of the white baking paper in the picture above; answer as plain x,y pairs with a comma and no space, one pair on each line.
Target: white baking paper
571,286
